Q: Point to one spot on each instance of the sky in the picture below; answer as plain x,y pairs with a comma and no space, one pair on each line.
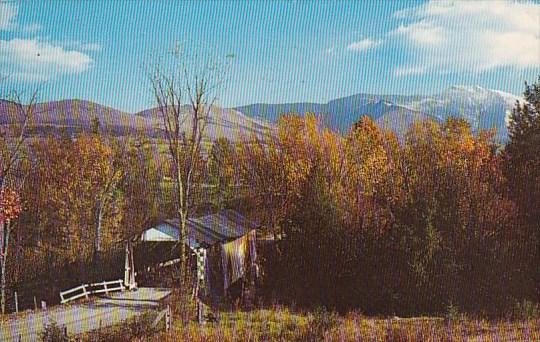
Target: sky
279,51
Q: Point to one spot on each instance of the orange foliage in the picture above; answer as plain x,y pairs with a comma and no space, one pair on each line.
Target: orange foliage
10,205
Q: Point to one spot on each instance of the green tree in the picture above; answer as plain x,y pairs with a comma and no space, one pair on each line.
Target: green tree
221,171
522,168
318,248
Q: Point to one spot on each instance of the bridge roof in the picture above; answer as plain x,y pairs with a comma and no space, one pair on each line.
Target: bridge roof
203,231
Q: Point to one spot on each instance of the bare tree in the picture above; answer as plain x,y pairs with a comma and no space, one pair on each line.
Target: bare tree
185,92
12,141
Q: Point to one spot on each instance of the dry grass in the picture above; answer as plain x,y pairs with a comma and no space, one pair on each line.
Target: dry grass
280,324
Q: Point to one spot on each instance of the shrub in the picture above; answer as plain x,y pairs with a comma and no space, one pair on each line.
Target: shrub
526,310
135,327
140,326
452,312
318,324
52,332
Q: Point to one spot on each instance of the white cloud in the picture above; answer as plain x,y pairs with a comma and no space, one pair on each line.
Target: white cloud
470,35
34,60
362,45
8,20
422,33
412,70
8,13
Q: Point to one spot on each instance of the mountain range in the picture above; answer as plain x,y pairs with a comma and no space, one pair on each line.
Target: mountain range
483,108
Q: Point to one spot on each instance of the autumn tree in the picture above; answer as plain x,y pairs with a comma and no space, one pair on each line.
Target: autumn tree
275,165
391,226
141,186
12,171
448,219
76,203
10,208
372,182
108,173
259,159
294,175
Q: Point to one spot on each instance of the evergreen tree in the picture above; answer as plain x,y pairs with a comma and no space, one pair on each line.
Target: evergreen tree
522,168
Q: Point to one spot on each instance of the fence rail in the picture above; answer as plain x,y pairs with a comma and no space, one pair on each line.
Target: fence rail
105,287
85,290
165,314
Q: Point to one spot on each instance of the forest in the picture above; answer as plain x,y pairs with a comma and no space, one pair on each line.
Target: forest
441,219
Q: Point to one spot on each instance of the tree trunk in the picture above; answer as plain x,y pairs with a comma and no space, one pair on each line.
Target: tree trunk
3,264
97,246
183,259
3,299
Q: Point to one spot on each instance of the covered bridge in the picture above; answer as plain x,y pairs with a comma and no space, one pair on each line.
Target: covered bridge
224,245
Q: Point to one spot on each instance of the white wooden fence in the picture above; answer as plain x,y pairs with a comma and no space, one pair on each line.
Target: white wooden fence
85,290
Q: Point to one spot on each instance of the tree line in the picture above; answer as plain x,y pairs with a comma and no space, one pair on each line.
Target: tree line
442,217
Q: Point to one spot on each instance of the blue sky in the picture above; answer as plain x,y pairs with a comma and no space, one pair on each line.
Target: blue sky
283,51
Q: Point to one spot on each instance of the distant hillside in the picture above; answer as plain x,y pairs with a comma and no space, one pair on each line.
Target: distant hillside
228,123
483,108
75,116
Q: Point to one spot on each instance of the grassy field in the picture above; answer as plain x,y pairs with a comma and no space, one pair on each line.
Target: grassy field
280,324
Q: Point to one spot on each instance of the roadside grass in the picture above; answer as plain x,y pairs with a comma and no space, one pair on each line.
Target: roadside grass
281,324
138,327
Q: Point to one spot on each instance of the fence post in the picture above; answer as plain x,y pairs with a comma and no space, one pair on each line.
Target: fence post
43,305
168,319
85,292
35,303
199,311
170,315
16,303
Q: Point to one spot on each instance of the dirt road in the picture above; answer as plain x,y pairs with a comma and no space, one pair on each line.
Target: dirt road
83,317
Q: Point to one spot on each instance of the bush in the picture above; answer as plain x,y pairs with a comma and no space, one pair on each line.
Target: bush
52,332
141,326
452,312
320,322
526,310
135,327
398,333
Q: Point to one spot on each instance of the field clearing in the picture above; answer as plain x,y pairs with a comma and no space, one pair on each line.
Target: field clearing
280,324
